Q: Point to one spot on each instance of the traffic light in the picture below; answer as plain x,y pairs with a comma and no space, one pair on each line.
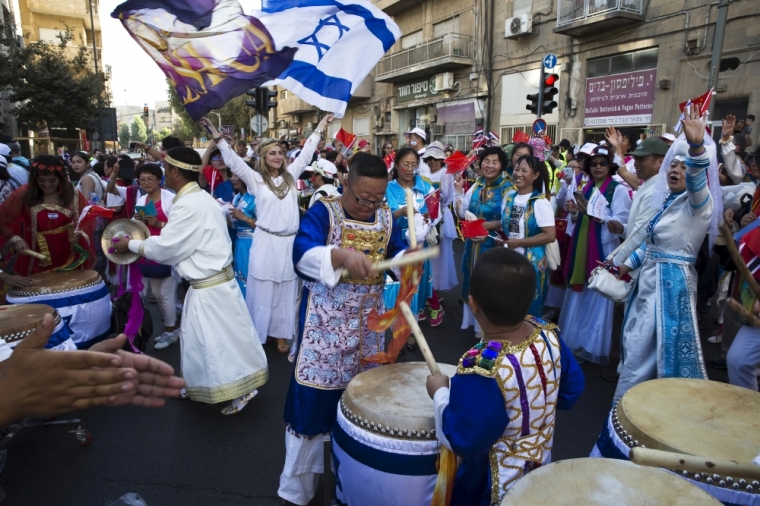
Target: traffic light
268,100
548,92
256,101
533,105
146,113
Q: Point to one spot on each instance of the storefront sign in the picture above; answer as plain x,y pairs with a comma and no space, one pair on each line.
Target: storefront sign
620,99
415,91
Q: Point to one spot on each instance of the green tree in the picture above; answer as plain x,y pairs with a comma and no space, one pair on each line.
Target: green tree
164,132
138,130
48,87
124,135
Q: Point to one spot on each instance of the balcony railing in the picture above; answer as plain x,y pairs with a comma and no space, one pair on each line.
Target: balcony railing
576,17
443,53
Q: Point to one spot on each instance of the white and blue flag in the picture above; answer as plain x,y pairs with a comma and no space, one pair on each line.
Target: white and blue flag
338,42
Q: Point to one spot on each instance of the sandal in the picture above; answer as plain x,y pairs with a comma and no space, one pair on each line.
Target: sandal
238,404
282,346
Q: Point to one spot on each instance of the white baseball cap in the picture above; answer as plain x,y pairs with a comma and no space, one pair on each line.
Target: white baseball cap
416,131
323,168
588,148
668,137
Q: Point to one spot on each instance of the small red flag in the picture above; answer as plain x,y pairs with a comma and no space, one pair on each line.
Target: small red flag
457,162
346,138
703,101
519,137
471,229
433,202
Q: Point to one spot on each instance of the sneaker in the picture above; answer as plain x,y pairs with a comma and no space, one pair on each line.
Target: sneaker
421,316
716,339
436,317
166,339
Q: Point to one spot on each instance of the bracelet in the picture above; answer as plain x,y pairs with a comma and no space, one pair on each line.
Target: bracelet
217,139
699,154
695,145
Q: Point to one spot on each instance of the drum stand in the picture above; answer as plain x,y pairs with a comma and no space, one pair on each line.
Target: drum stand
328,478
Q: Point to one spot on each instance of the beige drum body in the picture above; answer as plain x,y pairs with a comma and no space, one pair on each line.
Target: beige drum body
696,417
81,298
17,322
604,482
384,446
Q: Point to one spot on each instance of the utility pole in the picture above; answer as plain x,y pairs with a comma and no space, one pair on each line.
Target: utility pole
100,98
717,50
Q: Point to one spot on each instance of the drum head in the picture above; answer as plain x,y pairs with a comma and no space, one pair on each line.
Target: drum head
603,482
57,281
697,417
394,395
119,229
18,320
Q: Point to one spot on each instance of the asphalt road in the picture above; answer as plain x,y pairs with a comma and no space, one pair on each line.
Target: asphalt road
188,454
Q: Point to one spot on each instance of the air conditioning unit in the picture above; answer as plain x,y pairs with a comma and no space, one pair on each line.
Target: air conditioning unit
444,81
437,128
518,26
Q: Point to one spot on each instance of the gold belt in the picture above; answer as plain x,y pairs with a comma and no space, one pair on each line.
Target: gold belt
227,274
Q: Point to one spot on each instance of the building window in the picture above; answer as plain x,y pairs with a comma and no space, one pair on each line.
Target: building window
283,95
451,25
411,40
50,35
361,126
620,63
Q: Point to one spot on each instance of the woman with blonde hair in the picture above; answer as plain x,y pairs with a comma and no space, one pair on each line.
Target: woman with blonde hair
272,287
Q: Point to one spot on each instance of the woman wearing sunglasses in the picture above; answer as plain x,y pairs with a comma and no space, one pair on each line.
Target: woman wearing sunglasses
586,319
215,176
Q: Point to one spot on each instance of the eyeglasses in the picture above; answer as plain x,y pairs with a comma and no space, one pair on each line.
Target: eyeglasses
602,163
409,166
216,158
147,180
367,202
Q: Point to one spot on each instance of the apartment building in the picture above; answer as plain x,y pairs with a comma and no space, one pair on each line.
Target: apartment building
461,65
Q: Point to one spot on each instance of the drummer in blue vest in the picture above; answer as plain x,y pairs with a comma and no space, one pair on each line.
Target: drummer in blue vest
498,415
337,234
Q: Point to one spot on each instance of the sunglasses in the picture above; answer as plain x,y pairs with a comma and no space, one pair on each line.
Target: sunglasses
603,163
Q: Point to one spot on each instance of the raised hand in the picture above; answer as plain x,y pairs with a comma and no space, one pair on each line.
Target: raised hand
615,139
694,128
727,127
208,125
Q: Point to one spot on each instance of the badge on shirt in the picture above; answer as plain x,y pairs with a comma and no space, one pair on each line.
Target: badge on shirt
52,216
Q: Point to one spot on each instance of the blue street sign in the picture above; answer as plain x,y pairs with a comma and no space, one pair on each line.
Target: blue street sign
550,61
539,126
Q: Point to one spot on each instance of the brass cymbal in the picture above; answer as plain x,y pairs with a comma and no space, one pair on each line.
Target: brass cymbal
119,229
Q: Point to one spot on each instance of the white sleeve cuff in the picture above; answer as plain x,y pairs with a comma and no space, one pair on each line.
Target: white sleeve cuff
317,264
440,403
134,245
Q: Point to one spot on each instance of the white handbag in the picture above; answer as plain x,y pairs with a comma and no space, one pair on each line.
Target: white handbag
606,283
553,256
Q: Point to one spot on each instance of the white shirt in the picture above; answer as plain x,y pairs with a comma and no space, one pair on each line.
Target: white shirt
542,210
327,188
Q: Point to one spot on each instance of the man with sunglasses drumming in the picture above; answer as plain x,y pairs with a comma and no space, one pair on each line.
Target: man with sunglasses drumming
339,239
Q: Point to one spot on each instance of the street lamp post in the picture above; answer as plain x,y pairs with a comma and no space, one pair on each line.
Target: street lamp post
100,99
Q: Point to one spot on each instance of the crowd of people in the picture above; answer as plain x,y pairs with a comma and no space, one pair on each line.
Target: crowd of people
273,242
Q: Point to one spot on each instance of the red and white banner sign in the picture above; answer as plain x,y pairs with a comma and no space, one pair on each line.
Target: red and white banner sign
620,99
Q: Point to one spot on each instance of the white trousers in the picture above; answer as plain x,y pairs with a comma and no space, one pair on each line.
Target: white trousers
304,462
744,357
165,292
273,307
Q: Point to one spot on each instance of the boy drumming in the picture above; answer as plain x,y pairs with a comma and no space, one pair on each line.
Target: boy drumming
499,413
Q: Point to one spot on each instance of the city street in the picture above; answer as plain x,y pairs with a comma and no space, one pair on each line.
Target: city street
188,454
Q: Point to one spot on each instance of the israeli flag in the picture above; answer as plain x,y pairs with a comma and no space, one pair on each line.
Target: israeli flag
339,42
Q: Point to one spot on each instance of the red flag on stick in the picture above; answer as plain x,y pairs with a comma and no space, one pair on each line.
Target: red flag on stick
346,138
433,202
457,162
519,137
472,229
702,101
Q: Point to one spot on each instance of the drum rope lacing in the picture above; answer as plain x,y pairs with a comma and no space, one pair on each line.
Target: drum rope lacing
385,429
18,336
34,294
710,479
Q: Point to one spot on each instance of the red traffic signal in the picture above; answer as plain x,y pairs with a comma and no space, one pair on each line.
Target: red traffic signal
551,79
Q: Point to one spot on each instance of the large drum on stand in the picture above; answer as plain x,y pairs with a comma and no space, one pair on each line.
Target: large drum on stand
81,298
695,417
384,446
17,322
598,482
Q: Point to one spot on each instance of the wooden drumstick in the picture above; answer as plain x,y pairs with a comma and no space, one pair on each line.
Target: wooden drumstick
695,464
410,217
38,256
415,257
421,342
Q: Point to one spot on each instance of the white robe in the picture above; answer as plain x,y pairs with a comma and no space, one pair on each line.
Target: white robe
444,267
272,285
221,356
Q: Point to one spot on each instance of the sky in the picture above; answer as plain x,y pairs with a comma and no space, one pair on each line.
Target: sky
135,78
